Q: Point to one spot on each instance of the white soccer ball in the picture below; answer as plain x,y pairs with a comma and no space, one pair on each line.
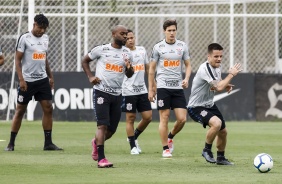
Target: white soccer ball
263,162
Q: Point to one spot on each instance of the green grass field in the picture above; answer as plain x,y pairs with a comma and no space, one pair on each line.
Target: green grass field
29,164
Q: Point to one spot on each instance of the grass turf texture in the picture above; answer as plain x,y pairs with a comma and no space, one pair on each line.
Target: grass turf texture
29,164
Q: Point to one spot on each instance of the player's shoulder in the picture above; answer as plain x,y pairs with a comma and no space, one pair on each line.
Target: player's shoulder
104,46
160,44
140,48
180,43
125,49
25,35
45,36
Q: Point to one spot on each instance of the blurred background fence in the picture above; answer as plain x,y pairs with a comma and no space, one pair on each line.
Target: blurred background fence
249,30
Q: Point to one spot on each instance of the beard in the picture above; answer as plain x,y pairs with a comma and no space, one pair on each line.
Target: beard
120,42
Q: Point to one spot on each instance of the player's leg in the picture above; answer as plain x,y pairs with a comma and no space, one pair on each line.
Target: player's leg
47,124
101,104
178,104
16,124
23,98
145,109
163,102
129,107
43,94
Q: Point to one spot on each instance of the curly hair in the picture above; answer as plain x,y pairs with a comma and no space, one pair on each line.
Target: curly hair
41,20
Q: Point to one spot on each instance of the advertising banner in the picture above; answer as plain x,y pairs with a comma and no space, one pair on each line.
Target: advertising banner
72,99
268,92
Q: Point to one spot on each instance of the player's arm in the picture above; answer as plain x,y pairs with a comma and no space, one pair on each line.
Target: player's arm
49,73
151,80
1,60
147,68
188,70
18,64
85,65
223,84
129,70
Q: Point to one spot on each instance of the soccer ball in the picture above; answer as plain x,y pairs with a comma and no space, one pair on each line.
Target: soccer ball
263,162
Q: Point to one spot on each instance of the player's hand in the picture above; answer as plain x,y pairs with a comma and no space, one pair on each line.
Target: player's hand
94,80
51,82
235,69
184,83
229,88
152,95
23,85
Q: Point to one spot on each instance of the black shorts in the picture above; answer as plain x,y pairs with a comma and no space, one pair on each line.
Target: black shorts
107,109
170,99
203,115
40,89
139,102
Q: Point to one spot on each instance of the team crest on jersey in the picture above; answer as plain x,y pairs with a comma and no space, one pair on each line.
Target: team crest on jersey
20,98
45,44
129,106
160,103
179,51
203,113
100,100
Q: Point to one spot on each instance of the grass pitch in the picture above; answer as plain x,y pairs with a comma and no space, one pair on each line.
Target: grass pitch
29,164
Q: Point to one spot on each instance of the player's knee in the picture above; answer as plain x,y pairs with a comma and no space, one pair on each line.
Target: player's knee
215,123
223,132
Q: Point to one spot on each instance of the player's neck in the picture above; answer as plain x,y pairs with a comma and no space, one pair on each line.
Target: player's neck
132,48
116,46
169,41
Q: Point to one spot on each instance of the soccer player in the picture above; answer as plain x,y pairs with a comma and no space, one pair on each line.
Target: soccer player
168,56
201,107
35,79
1,57
135,94
112,63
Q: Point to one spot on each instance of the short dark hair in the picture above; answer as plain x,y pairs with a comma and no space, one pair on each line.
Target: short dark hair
214,46
168,23
41,20
129,31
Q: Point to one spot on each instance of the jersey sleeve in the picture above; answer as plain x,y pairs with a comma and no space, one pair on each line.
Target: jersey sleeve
186,54
95,52
205,74
21,44
155,54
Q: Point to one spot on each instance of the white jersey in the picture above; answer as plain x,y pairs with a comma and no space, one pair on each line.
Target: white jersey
169,58
136,84
202,93
110,67
34,58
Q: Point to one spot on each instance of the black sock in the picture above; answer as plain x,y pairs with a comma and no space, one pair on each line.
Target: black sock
170,136
12,138
137,133
208,146
220,153
48,137
131,140
165,147
101,153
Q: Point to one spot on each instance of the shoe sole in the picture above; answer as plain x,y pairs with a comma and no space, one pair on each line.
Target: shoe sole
107,166
93,147
208,160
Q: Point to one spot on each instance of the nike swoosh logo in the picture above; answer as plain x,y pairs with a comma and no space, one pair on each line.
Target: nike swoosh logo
224,95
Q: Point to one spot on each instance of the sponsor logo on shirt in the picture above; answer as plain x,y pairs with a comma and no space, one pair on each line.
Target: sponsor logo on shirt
114,68
171,63
138,67
172,83
138,88
38,56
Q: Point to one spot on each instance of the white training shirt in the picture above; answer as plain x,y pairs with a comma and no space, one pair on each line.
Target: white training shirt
34,58
169,58
202,93
110,67
136,84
